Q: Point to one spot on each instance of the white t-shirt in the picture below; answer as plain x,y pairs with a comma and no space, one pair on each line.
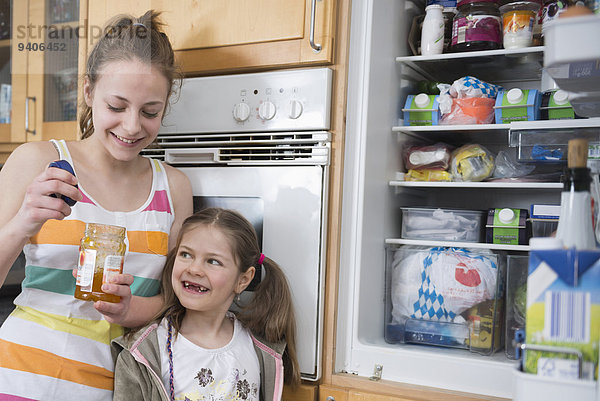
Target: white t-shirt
223,374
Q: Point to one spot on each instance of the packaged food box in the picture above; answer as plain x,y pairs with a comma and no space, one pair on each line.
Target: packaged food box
442,224
508,227
563,310
516,301
517,105
422,109
449,297
543,219
555,106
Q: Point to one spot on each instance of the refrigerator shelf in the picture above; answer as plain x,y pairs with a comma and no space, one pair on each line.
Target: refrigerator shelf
456,244
494,66
479,185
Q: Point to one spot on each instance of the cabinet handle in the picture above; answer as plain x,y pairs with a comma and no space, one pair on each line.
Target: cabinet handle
316,47
27,130
330,398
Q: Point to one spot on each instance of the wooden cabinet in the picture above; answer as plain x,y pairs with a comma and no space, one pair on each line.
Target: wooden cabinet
234,35
41,57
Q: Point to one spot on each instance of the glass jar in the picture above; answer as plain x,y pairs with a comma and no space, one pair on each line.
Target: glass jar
477,25
101,254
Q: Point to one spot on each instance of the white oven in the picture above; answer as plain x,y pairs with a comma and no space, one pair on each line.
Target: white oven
258,143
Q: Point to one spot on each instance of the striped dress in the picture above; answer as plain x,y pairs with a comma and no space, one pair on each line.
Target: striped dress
56,347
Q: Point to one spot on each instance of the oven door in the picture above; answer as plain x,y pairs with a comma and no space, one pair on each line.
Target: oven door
292,202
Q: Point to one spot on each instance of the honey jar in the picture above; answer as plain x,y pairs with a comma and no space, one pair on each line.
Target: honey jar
101,254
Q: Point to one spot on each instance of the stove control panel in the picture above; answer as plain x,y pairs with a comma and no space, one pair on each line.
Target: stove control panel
284,100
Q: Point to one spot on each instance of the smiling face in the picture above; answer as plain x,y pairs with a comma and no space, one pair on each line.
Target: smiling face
205,275
127,101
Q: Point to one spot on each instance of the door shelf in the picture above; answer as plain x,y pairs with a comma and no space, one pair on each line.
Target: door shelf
493,66
456,244
481,185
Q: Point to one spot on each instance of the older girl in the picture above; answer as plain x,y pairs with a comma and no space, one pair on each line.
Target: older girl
53,346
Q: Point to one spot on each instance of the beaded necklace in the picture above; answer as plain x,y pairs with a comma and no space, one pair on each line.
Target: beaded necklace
170,353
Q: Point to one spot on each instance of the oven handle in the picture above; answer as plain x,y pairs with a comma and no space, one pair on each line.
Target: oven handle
186,156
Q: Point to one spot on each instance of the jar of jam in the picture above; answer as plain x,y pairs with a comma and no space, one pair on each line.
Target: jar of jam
477,25
101,254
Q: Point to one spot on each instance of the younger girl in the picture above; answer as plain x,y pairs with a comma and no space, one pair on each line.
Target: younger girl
197,349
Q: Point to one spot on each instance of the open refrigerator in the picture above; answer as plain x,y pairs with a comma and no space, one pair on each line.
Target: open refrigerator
382,73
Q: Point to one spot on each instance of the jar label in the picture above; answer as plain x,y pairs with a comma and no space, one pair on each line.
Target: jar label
113,265
85,269
476,28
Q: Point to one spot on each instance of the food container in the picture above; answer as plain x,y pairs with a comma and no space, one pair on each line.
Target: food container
555,106
421,109
442,224
476,26
543,219
517,105
448,297
507,227
516,302
518,20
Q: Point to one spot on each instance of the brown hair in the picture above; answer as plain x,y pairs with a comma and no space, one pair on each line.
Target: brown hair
129,38
270,313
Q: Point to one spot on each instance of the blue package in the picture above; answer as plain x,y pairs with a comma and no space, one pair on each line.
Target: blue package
539,152
64,165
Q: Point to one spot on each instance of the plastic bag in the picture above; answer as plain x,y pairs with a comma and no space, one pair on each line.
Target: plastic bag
428,175
467,101
440,283
427,157
507,167
471,163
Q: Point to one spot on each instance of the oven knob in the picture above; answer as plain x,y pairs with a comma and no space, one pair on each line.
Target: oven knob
296,109
241,112
267,110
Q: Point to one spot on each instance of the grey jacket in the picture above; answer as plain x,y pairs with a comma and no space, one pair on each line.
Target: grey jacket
137,370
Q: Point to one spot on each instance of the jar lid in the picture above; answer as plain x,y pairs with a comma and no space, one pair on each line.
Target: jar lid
463,2
532,6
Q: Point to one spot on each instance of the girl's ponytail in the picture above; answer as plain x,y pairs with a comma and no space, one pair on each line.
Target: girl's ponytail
270,314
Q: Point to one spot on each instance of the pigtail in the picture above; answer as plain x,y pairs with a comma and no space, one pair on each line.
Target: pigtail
270,314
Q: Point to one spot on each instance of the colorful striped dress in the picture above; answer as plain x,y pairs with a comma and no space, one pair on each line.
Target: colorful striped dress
56,347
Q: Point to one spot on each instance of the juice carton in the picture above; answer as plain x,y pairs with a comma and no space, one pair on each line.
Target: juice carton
563,310
507,226
422,109
517,105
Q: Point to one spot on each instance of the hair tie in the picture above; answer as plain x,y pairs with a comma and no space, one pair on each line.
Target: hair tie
138,24
261,259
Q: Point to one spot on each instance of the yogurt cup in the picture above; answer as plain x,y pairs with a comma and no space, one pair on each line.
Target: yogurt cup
518,20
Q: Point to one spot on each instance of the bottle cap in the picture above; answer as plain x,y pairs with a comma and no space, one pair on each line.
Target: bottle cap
560,97
506,215
540,243
514,96
422,100
434,7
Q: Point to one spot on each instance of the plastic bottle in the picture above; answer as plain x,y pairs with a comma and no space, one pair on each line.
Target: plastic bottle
432,34
575,226
101,255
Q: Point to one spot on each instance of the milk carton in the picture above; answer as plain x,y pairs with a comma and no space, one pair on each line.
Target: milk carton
563,310
517,105
421,109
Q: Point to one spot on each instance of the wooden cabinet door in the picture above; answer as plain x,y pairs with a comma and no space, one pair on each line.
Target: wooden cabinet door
331,393
45,47
363,396
230,35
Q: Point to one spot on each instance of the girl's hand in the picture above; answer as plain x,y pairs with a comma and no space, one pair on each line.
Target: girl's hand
116,312
38,206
